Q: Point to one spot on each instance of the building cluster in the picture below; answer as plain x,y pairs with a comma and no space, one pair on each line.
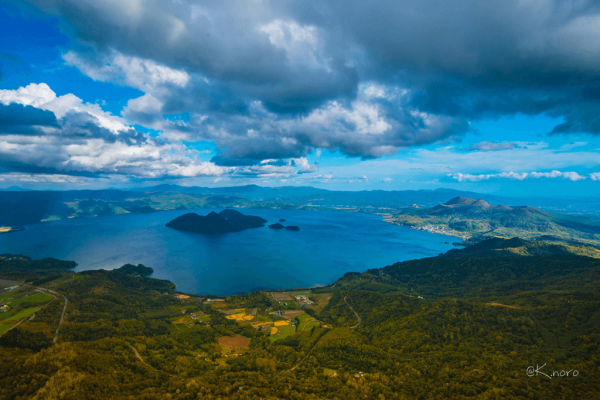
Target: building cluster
303,300
9,288
433,228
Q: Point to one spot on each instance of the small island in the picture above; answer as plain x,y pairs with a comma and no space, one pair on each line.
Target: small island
223,222
292,228
8,229
282,220
276,226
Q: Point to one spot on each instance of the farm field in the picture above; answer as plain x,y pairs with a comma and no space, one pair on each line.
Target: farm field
10,295
6,315
311,325
4,328
303,318
23,314
283,332
37,298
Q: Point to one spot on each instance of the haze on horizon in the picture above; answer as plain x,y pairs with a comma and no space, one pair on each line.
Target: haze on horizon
490,97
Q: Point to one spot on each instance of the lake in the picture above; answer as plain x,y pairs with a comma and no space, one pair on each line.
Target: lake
328,245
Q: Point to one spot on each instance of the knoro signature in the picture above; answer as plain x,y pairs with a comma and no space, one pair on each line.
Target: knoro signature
531,371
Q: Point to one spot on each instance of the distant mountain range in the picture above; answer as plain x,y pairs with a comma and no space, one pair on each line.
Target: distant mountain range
20,207
305,195
478,220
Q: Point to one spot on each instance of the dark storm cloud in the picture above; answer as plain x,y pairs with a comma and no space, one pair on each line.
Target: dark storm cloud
17,119
23,120
305,61
83,126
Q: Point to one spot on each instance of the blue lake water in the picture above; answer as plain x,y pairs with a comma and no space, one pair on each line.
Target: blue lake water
328,245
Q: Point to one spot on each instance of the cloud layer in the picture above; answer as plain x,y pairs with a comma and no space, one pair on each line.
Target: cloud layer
272,80
270,83
40,132
572,176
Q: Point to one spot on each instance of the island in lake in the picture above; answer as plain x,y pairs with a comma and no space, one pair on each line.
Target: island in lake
7,229
276,226
223,222
292,228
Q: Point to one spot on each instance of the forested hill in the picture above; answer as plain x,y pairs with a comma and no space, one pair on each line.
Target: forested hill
460,327
498,247
492,269
478,219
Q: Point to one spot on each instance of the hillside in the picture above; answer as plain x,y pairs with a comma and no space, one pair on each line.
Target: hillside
516,247
477,219
452,328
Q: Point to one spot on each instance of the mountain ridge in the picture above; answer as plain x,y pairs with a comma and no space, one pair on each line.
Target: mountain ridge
476,219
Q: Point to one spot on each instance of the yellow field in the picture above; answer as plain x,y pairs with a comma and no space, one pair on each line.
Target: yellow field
240,317
261,323
235,316
281,323
273,330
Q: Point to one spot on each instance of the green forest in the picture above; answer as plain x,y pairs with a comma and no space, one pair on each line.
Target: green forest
465,325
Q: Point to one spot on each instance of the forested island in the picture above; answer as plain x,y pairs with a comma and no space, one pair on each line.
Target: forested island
225,221
465,324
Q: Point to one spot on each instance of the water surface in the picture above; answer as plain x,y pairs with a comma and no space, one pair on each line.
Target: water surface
328,245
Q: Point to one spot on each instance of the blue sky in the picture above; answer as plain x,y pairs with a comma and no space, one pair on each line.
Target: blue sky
132,93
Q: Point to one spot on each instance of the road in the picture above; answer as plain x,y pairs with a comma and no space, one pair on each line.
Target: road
355,313
311,349
138,356
62,315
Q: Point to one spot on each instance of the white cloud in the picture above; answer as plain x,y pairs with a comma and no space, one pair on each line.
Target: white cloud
572,176
300,42
42,97
74,148
570,146
492,146
595,176
373,90
46,178
146,104
365,118
146,75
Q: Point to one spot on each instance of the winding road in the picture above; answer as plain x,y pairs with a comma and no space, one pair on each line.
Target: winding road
62,315
355,313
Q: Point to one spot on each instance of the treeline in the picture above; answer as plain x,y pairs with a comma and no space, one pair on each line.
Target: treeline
22,268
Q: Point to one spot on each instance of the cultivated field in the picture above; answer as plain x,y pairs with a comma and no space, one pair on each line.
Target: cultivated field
235,342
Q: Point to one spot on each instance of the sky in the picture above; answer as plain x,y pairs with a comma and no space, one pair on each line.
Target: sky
492,97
